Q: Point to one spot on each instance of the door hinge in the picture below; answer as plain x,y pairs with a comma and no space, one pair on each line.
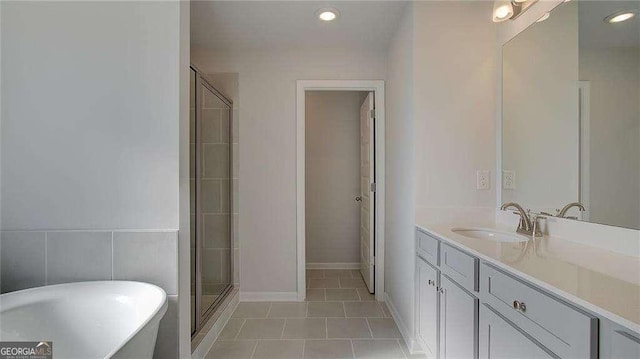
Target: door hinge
373,187
372,114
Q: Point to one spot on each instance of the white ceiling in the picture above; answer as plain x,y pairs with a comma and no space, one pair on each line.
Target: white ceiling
292,24
595,32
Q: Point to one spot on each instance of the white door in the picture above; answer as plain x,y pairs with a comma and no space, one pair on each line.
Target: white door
367,194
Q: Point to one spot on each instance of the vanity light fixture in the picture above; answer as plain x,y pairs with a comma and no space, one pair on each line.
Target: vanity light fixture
504,10
544,17
327,14
620,16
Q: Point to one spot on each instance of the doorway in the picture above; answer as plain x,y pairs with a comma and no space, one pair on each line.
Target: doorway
341,214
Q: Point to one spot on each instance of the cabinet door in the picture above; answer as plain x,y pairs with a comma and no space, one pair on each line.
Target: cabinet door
458,321
624,345
427,306
501,339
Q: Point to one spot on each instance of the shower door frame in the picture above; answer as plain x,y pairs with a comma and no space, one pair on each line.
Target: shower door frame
202,317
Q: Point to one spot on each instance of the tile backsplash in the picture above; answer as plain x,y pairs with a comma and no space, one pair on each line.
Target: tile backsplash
36,258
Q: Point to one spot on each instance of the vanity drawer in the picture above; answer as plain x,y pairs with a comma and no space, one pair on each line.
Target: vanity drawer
563,329
459,266
427,247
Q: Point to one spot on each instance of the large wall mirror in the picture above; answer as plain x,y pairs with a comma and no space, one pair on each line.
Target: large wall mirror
571,113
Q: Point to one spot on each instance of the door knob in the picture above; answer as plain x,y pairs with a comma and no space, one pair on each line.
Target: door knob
358,199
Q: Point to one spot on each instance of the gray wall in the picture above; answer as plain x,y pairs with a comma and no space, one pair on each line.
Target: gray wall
90,144
332,126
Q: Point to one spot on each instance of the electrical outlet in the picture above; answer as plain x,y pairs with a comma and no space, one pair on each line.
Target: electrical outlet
482,180
508,179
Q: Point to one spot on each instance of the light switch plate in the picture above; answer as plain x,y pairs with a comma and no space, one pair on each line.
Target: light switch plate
483,180
508,179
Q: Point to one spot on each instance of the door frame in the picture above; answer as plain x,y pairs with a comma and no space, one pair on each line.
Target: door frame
377,87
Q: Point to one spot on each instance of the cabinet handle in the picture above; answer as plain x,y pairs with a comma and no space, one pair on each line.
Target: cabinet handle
519,306
440,290
431,282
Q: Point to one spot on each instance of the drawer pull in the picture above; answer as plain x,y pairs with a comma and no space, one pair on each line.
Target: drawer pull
431,282
519,306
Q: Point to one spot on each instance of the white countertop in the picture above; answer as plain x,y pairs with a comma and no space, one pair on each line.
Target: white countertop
602,281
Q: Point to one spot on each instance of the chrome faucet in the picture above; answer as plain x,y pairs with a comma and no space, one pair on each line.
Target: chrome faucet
563,212
526,225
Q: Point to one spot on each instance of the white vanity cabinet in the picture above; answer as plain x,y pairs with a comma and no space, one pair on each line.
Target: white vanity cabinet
458,321
501,339
427,301
467,307
446,311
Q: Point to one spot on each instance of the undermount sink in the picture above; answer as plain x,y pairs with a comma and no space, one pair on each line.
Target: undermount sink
490,234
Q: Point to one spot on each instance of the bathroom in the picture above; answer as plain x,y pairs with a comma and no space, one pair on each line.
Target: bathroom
157,153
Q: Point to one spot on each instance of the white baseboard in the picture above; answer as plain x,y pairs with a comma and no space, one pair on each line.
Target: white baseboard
333,265
407,334
268,296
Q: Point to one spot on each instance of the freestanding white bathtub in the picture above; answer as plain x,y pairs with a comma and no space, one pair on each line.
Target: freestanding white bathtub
107,319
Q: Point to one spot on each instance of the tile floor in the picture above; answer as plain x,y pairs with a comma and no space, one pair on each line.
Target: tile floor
339,320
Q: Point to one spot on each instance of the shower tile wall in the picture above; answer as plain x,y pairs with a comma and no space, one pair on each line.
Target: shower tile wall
227,83
36,258
216,207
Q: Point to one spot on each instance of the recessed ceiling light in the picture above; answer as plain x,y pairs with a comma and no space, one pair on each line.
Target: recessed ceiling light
544,17
327,14
620,16
502,11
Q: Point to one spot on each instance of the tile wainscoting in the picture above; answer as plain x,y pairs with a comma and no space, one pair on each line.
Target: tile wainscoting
36,258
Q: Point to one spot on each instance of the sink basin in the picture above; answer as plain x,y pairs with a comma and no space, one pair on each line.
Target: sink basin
490,234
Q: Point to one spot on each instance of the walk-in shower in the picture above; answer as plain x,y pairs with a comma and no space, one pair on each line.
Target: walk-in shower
211,191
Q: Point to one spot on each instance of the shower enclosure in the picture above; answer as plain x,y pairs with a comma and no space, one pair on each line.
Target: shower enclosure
211,191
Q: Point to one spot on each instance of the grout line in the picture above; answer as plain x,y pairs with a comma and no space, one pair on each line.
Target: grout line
369,326
269,310
255,347
304,345
283,326
326,328
353,351
46,262
239,330
111,255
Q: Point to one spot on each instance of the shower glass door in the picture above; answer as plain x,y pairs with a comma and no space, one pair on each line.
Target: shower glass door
211,200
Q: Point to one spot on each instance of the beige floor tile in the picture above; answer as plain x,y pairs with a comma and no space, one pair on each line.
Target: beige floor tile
365,295
288,310
337,273
309,328
363,310
323,283
328,349
231,330
315,295
351,283
279,349
325,309
232,349
384,328
261,329
377,349
315,273
252,310
347,328
355,273
348,294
